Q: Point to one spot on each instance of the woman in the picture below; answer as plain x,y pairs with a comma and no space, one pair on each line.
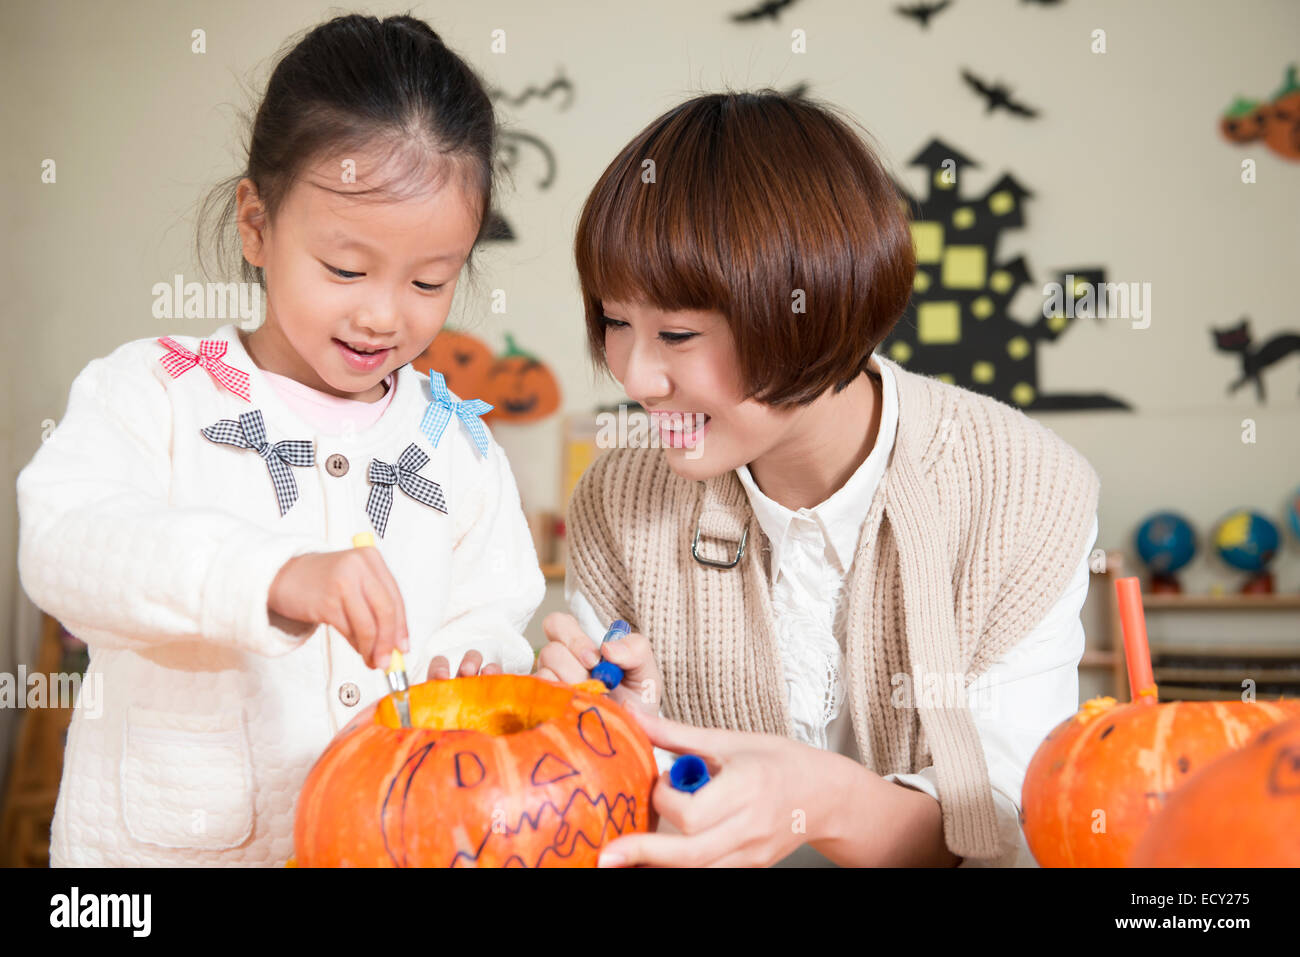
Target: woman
854,590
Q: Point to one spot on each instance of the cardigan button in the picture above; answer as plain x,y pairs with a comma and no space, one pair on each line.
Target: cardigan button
349,693
337,465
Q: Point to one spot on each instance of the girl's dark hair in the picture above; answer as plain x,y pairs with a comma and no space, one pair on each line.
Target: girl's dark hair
390,87
755,195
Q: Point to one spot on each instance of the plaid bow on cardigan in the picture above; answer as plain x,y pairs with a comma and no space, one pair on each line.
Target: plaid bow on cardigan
384,476
250,433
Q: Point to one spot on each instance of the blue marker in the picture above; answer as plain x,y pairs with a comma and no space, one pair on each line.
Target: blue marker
606,672
688,773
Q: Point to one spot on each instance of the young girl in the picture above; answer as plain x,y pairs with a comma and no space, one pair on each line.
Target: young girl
861,585
192,517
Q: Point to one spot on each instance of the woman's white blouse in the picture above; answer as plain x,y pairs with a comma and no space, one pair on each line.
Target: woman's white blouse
1015,703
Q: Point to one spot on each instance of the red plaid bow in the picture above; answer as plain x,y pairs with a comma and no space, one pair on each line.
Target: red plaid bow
180,360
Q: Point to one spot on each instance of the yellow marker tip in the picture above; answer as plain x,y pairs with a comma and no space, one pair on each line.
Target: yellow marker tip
396,662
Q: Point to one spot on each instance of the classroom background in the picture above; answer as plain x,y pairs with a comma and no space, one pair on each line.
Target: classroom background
1139,144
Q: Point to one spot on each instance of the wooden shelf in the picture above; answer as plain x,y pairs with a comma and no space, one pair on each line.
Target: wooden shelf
1173,674
1234,651
36,768
1196,672
1172,692
1222,602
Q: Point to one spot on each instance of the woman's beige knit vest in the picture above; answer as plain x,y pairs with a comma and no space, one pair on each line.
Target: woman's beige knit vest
972,536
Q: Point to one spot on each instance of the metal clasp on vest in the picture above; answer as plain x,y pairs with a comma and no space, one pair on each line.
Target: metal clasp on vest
708,561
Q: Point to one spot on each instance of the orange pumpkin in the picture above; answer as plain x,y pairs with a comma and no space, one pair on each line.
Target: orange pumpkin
1244,121
1099,777
1283,130
519,387
463,360
1242,810
497,771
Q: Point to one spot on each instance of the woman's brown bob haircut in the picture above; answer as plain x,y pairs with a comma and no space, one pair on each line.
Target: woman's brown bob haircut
754,196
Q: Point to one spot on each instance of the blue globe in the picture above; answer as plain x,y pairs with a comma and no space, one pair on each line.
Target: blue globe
1247,540
1293,513
1166,542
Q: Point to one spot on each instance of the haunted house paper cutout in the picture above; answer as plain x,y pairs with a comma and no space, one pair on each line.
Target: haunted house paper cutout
956,326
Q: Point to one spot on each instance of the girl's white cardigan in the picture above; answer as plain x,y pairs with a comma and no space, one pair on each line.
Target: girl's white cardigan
157,547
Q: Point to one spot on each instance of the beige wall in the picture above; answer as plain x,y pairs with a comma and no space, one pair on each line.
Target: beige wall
1125,165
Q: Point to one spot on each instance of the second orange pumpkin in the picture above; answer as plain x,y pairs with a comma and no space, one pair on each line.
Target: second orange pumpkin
1099,777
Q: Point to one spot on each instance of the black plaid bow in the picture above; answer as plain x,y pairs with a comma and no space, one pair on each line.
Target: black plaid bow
384,476
250,433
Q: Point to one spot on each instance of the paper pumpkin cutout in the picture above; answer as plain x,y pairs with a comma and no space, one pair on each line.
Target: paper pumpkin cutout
956,326
519,387
1283,132
1275,121
1244,121
463,360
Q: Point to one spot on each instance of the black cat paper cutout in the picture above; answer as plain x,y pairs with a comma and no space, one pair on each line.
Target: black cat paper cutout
1254,359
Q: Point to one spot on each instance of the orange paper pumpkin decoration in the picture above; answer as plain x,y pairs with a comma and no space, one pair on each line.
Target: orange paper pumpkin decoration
1241,810
1245,121
1099,777
463,360
519,387
497,771
1282,132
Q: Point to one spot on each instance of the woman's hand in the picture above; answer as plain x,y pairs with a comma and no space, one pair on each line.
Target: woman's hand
470,665
352,591
766,796
569,655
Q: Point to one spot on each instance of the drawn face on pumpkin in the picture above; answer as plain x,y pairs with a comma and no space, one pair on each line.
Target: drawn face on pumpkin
521,389
498,771
346,273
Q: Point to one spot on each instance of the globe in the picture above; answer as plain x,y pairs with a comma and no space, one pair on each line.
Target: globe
1293,513
1166,542
1247,540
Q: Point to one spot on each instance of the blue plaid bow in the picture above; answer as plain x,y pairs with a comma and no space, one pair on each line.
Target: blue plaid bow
384,476
441,408
250,433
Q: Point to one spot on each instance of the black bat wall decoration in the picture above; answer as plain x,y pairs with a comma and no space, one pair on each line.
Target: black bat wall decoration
769,8
996,95
922,12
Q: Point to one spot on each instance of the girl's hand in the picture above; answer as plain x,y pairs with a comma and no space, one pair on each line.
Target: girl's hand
569,656
766,796
352,591
470,665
